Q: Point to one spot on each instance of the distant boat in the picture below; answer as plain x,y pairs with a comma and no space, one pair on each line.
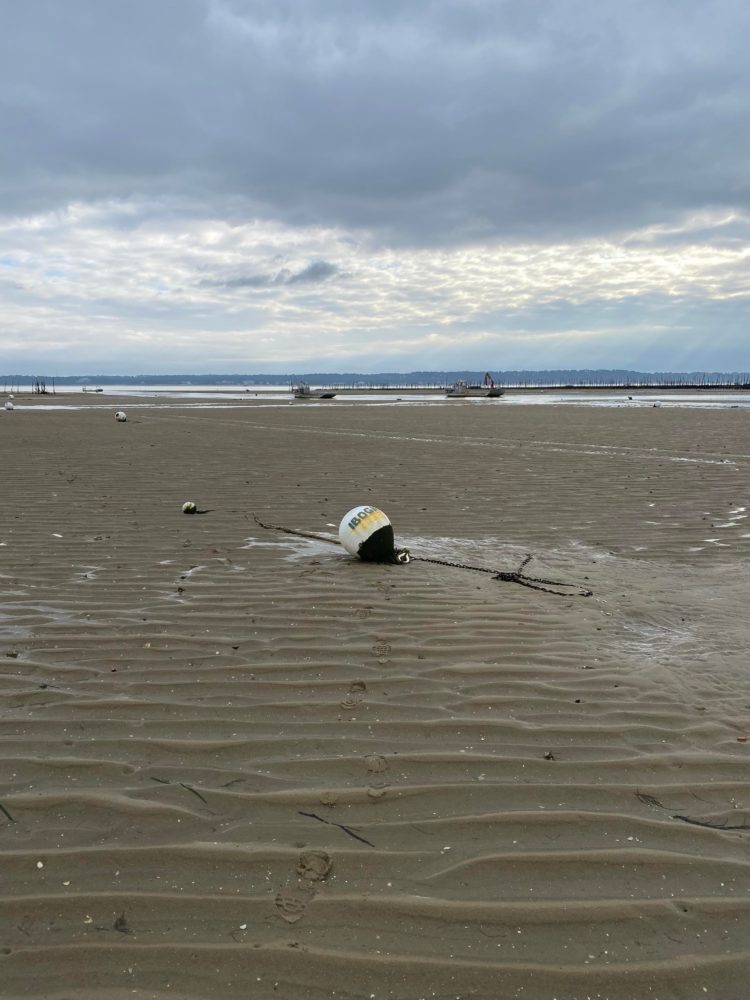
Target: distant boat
462,390
303,391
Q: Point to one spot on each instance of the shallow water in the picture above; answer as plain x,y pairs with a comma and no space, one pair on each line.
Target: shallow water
280,395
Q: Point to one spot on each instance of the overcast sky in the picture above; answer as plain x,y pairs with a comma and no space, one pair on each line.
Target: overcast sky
281,185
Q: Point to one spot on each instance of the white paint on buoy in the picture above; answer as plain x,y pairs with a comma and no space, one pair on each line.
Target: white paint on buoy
9,405
189,507
120,417
360,524
365,531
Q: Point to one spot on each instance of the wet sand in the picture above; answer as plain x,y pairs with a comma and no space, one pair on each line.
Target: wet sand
237,763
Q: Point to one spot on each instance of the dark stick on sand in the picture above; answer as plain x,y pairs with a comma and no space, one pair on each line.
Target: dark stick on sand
346,829
714,826
189,788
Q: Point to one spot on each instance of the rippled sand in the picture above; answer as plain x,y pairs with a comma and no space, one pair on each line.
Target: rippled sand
237,764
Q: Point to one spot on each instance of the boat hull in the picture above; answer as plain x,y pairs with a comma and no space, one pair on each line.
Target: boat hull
474,392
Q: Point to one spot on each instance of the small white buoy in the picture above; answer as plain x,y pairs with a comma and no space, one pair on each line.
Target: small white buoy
9,406
657,403
11,396
120,417
189,507
366,532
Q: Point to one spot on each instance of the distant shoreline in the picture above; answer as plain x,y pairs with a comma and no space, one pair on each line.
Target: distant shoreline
375,390
517,380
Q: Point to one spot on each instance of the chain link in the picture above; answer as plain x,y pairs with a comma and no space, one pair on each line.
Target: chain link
516,576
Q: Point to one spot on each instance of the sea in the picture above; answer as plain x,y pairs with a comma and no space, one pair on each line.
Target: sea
280,395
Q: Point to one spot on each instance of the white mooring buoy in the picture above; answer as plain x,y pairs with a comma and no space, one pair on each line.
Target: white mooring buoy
367,533
189,507
9,405
120,417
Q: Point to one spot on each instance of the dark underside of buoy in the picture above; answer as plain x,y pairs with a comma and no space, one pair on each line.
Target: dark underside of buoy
379,547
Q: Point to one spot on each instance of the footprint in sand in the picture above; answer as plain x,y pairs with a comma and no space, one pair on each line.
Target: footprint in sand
355,695
377,775
382,649
292,899
313,866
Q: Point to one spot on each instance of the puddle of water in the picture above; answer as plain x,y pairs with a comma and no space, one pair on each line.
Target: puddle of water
649,638
189,572
297,548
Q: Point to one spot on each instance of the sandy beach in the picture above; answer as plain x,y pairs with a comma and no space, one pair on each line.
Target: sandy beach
237,763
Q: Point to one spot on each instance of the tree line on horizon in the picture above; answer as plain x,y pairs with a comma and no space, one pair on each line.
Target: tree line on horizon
558,377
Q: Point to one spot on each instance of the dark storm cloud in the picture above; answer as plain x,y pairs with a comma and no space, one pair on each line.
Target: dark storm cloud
429,122
317,271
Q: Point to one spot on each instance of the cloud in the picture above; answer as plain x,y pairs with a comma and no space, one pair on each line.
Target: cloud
83,287
431,123
319,270
429,182
248,281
